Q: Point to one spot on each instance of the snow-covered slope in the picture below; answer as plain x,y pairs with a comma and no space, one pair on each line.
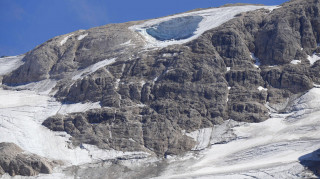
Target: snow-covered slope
8,64
271,149
23,111
187,26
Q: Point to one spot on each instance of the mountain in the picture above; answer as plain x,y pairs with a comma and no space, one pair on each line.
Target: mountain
220,92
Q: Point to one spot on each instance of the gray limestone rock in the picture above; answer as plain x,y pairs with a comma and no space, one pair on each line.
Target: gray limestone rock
123,130
59,57
14,161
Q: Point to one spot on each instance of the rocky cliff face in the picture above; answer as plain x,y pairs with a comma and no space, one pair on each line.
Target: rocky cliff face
15,161
152,97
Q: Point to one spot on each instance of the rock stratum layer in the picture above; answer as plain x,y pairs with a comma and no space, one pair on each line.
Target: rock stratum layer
152,97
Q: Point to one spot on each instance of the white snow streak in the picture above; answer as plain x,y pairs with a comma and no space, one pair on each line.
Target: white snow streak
63,41
93,68
295,62
117,83
78,107
128,43
80,37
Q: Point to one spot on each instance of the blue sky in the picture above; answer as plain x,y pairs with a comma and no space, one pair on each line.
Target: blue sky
28,23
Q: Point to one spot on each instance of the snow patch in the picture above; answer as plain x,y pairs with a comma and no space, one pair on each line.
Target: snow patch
260,88
312,59
9,64
295,62
64,40
117,84
316,85
202,137
168,55
127,43
256,59
93,68
308,102
142,83
78,107
228,69
209,136
141,105
271,66
80,37
155,79
182,28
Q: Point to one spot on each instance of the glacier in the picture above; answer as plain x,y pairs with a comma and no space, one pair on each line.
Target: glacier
175,29
200,21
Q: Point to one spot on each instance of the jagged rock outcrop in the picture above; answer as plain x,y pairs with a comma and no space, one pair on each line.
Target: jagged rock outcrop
118,130
151,97
15,161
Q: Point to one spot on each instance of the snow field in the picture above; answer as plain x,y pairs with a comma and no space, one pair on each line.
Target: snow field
269,148
9,64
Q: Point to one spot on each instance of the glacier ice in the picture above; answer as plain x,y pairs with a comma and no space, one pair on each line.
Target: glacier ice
175,29
153,31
